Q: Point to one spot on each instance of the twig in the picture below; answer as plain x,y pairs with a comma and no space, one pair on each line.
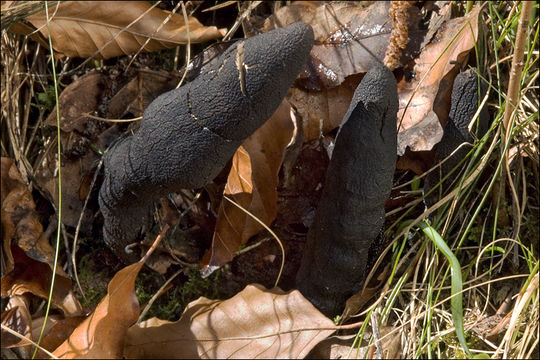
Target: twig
512,99
157,295
77,229
188,49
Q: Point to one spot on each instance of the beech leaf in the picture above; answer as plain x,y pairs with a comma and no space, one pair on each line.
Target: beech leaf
102,333
255,323
424,102
28,257
252,183
106,29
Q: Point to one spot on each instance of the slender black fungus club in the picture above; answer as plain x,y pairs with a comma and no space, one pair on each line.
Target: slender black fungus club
464,104
187,135
350,214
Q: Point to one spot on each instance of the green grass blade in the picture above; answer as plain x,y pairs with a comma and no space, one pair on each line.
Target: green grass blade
457,283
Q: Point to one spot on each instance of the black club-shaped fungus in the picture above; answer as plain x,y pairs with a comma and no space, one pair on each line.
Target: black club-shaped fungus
464,104
187,135
351,214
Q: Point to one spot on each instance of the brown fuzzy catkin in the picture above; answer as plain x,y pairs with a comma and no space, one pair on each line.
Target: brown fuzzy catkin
399,36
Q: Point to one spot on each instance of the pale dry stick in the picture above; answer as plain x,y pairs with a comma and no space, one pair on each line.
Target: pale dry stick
407,205
155,244
22,337
188,49
534,346
219,6
157,295
111,120
251,247
376,335
527,334
508,57
267,229
511,14
522,300
512,98
77,229
156,31
246,13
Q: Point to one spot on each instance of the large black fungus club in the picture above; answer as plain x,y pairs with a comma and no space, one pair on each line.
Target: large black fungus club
350,214
466,94
187,135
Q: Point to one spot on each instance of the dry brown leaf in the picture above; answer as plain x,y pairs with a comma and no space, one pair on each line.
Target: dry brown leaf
57,330
102,28
33,276
103,333
252,183
82,97
424,102
16,317
322,111
255,323
20,221
351,38
28,254
77,174
78,99
136,95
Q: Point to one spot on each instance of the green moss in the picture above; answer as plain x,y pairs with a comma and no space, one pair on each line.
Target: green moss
172,303
94,280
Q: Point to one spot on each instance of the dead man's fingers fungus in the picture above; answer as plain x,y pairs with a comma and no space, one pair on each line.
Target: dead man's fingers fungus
466,96
350,214
187,135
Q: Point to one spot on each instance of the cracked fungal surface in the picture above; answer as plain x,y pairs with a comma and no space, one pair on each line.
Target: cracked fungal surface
350,214
464,104
187,135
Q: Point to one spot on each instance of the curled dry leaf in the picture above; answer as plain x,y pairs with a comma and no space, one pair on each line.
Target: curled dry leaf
35,277
57,330
322,111
252,183
79,133
345,48
29,257
106,29
102,333
255,323
350,38
424,102
81,97
16,317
